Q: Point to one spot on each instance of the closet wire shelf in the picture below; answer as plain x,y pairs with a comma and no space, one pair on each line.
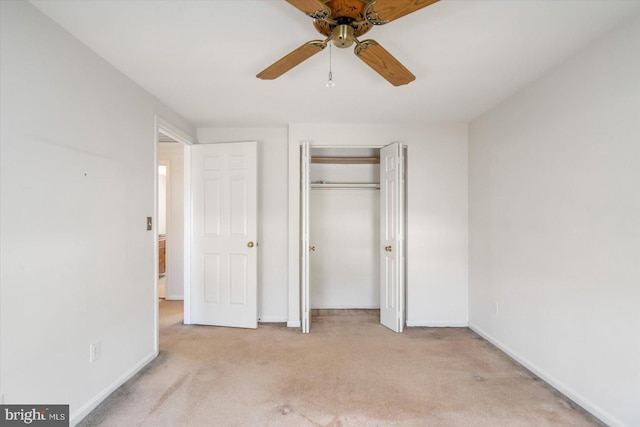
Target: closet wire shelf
349,160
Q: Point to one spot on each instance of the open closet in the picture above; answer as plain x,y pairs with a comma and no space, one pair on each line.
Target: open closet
352,216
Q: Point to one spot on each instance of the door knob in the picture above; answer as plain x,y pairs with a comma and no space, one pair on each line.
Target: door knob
388,248
250,244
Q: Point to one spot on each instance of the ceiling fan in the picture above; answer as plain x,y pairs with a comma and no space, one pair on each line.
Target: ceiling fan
342,22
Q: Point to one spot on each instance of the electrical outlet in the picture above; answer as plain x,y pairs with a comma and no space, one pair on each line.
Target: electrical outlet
94,351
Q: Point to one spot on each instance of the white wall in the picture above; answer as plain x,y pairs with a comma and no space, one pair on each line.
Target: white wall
272,213
437,213
173,155
345,265
555,227
78,265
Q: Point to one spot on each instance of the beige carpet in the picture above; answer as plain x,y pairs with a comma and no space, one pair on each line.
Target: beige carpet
349,371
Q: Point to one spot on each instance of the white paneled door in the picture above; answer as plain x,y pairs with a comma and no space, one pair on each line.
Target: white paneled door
305,189
224,233
392,237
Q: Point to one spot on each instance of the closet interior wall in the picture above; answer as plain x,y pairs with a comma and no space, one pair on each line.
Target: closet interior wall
345,229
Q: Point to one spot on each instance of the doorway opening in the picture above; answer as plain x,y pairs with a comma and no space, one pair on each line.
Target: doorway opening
352,216
171,217
163,196
171,230
344,229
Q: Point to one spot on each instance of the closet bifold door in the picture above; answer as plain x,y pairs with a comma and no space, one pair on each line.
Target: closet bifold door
392,237
305,216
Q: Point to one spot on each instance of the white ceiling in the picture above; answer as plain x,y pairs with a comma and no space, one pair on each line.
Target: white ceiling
201,57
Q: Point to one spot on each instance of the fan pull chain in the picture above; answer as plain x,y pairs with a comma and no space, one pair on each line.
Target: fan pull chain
330,82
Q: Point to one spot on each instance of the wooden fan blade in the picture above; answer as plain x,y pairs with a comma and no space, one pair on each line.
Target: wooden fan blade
313,8
383,63
380,12
294,58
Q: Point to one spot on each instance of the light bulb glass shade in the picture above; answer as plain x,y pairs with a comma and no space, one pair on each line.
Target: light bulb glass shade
330,82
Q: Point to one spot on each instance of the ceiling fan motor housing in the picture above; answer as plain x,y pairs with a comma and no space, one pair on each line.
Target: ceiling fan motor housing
342,36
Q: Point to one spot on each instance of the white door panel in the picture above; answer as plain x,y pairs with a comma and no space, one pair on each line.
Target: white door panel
391,237
305,189
224,232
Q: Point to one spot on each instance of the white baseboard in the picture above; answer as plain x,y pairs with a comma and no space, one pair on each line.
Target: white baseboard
293,323
78,415
272,319
436,324
586,404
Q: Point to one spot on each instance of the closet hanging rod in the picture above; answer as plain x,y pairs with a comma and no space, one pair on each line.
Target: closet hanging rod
344,185
347,160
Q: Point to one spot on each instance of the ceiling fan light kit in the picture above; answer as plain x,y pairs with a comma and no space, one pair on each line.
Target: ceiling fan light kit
342,22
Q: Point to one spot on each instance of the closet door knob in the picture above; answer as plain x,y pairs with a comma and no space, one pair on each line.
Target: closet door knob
388,248
250,244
